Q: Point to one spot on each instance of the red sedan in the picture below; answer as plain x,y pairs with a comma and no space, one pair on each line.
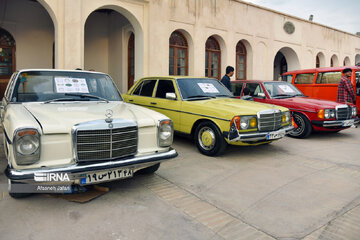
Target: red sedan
308,113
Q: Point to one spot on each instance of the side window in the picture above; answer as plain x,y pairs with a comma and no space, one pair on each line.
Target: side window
236,88
287,78
146,88
357,79
255,89
164,86
10,86
328,78
306,78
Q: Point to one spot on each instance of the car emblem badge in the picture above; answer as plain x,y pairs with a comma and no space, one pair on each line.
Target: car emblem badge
108,115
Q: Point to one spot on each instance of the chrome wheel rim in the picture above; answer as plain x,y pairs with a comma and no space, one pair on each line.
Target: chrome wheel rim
301,126
206,138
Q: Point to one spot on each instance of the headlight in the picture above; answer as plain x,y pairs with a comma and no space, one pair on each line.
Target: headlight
165,133
354,111
248,122
329,113
286,117
26,146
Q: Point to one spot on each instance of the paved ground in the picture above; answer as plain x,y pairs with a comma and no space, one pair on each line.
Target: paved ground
291,189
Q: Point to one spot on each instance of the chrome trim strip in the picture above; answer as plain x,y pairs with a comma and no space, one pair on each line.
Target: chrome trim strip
28,174
338,123
260,135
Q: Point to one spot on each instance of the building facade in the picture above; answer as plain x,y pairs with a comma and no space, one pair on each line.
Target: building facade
130,39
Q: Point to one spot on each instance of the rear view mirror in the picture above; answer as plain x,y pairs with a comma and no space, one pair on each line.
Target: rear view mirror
171,96
261,95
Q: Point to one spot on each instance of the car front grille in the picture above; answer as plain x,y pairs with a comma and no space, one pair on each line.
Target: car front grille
343,113
269,120
106,144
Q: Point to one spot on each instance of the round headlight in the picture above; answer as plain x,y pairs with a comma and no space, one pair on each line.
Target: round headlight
327,113
354,111
27,145
165,132
332,113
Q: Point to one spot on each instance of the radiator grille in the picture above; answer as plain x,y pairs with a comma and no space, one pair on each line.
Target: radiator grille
97,145
343,113
270,121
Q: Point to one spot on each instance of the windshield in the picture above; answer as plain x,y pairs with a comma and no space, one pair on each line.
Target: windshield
48,86
282,89
200,88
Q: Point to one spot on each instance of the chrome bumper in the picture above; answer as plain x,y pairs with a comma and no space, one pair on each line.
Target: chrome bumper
258,136
75,171
337,123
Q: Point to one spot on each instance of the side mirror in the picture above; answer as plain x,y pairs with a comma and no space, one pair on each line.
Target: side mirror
261,95
171,96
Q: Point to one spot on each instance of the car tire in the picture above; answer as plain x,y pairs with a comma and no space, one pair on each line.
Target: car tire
16,194
209,139
150,170
304,128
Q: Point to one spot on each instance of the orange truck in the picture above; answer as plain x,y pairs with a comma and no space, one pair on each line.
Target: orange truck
322,83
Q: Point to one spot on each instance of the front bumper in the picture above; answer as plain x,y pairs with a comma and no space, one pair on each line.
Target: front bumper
260,136
336,123
77,171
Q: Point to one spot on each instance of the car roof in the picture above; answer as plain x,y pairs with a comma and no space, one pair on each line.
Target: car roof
57,70
175,77
324,69
253,81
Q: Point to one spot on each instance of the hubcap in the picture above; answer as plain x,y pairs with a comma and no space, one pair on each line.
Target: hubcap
206,138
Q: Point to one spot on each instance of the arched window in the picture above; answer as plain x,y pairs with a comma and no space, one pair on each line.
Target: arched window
240,61
131,60
317,61
178,54
7,54
212,58
331,62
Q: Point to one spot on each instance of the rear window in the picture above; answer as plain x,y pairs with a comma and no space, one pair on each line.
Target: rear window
306,78
287,78
328,78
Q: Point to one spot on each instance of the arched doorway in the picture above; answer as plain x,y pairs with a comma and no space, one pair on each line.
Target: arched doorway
334,61
131,60
107,36
178,54
357,59
346,61
320,60
7,59
241,61
285,60
212,58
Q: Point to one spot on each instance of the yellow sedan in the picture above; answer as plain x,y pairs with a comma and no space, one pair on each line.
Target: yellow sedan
205,110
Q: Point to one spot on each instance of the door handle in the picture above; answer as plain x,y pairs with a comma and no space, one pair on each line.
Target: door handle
130,100
153,103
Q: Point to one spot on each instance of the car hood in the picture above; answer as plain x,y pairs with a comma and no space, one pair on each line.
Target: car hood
229,107
305,103
61,117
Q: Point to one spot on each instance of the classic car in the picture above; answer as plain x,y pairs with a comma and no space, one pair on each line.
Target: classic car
75,123
308,113
205,110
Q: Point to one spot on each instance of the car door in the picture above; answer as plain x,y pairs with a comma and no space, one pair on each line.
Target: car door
167,106
255,89
143,93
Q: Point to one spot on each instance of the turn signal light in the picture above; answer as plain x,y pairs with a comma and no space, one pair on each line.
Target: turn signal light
321,114
253,122
26,132
237,122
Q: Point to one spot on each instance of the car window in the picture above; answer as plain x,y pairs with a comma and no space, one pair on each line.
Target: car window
287,78
145,88
328,78
306,78
164,86
38,86
237,88
255,89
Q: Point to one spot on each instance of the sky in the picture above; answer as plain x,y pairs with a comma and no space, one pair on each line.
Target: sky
340,14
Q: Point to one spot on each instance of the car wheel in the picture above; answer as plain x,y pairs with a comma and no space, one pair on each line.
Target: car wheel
209,140
16,194
150,170
303,129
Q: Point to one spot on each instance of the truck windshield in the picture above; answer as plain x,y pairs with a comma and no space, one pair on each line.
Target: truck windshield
282,90
48,86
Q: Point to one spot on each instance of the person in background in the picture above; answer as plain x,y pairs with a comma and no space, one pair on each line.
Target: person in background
226,78
246,95
346,92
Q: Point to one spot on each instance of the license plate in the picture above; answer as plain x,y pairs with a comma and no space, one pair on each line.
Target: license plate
347,123
107,176
275,135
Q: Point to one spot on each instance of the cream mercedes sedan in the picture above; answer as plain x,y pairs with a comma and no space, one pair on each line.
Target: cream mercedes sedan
73,127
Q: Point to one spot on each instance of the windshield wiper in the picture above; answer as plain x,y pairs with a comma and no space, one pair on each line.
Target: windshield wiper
225,95
65,99
86,96
283,95
201,96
